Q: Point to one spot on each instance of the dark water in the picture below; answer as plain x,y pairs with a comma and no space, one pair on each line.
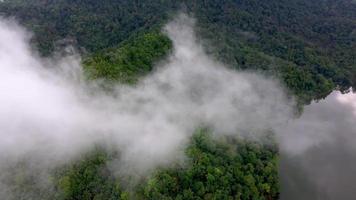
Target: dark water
326,168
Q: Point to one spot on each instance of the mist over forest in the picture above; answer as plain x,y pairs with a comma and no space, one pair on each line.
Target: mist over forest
120,99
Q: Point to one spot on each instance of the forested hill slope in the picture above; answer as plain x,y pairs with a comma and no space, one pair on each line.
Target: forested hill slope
310,43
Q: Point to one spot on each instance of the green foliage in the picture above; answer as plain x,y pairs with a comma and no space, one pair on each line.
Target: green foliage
25,181
219,170
216,168
131,60
315,39
89,179
298,40
90,24
310,45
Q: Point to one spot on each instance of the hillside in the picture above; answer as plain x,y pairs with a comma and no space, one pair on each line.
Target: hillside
309,45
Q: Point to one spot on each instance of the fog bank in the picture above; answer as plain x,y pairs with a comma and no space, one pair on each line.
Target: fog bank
326,170
49,112
50,115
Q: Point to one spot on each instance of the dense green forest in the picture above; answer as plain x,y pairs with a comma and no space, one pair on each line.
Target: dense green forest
227,168
134,58
310,45
231,169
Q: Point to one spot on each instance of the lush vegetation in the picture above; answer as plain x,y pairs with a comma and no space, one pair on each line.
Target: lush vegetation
231,169
132,59
216,168
90,24
310,45
89,178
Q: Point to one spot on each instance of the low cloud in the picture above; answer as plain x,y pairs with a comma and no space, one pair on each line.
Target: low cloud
47,108
318,151
51,115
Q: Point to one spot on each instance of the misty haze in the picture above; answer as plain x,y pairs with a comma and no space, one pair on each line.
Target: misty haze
177,100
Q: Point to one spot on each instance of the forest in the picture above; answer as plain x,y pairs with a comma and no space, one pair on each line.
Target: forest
309,45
